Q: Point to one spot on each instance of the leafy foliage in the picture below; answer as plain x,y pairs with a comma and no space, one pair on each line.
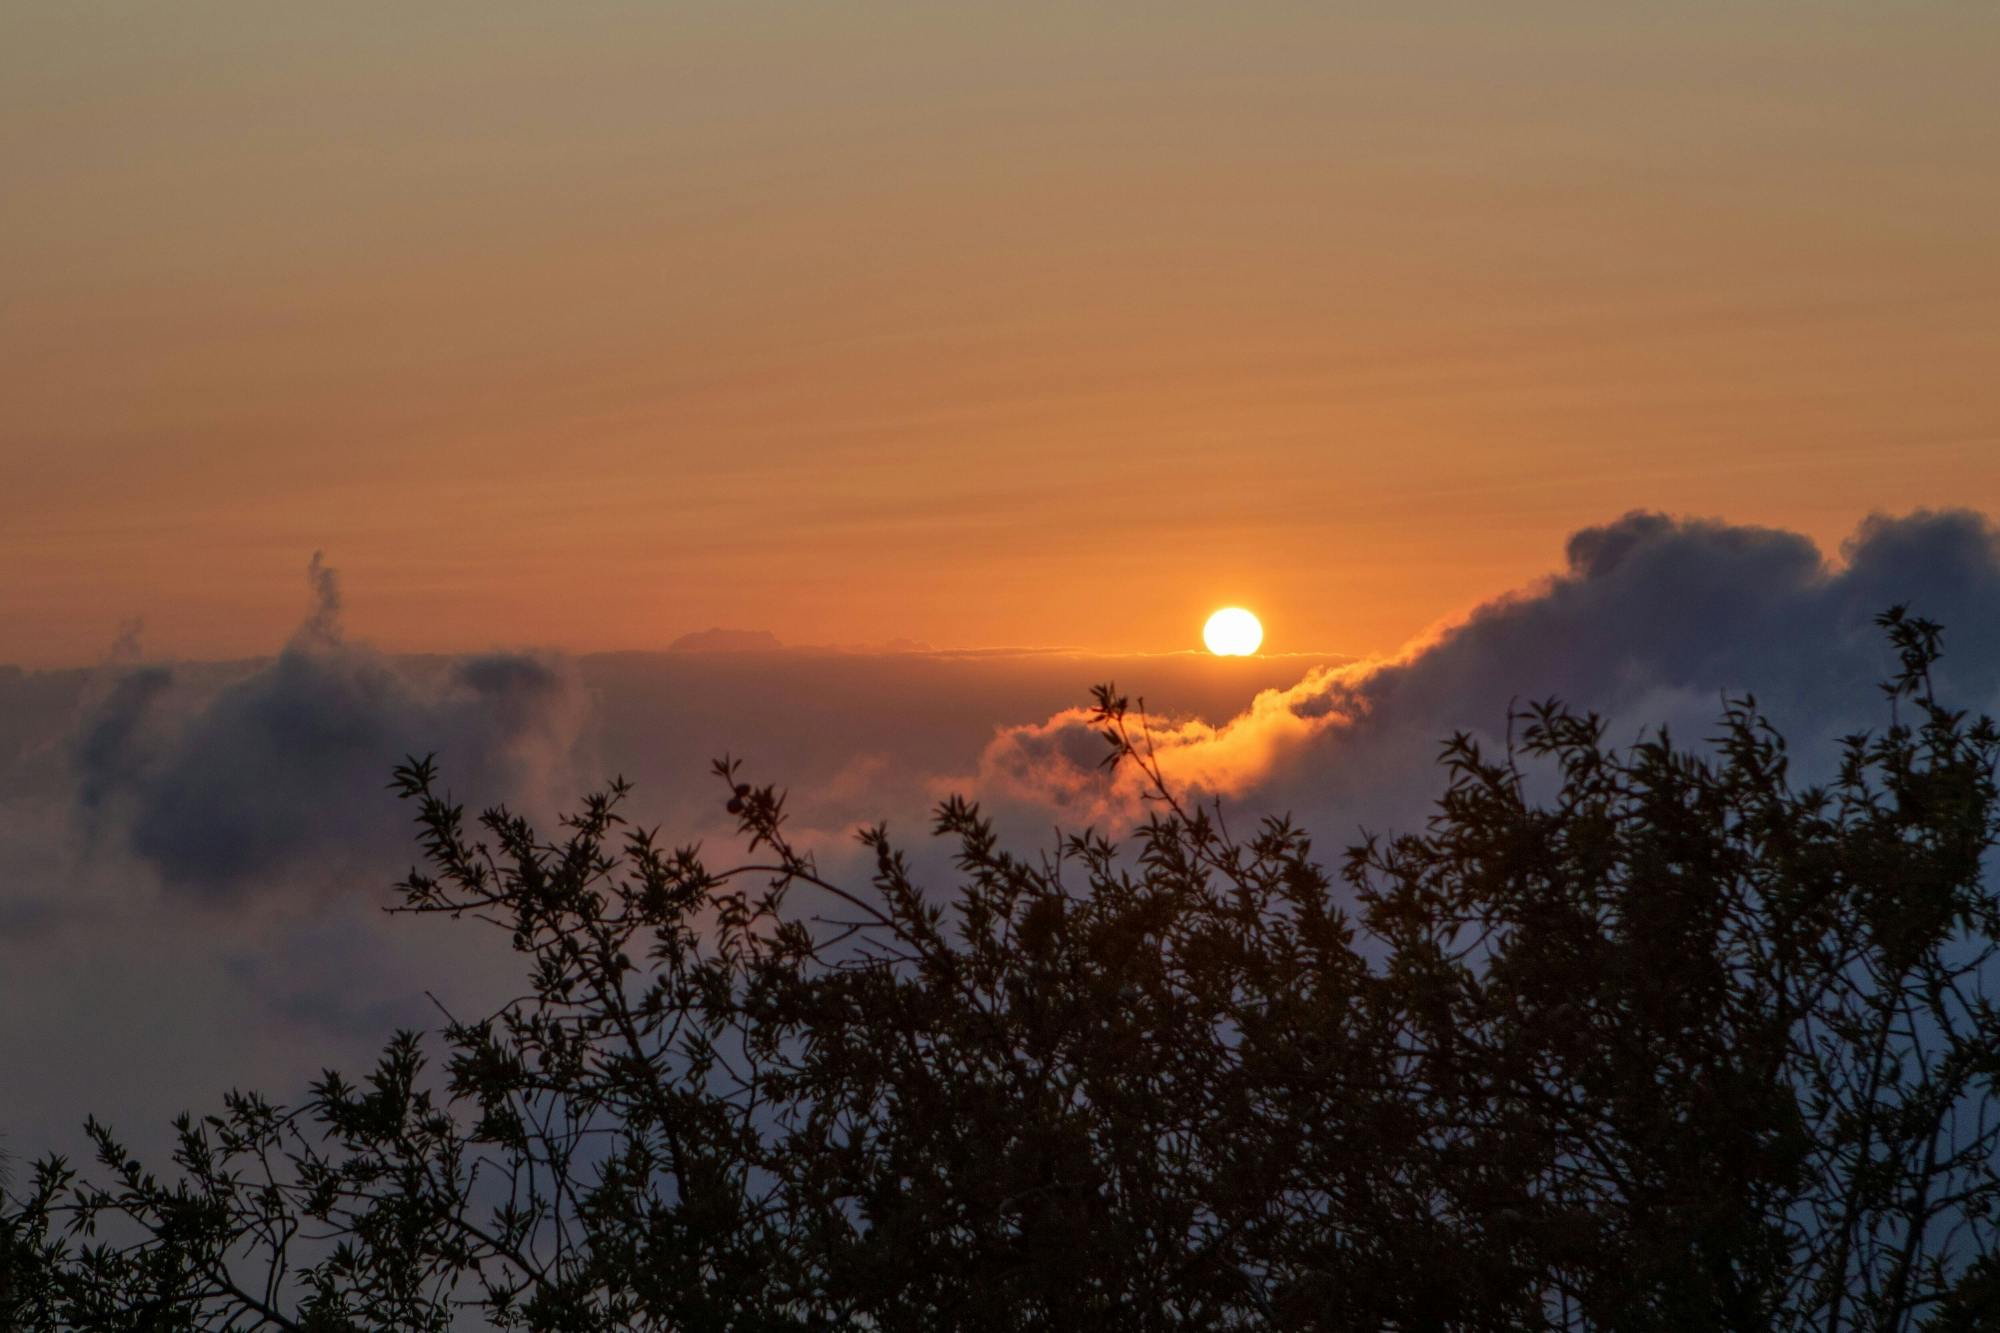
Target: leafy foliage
1682,1046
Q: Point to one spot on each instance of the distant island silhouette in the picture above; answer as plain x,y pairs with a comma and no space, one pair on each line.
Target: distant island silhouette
717,640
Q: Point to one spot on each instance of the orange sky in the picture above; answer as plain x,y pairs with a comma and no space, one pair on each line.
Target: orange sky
587,325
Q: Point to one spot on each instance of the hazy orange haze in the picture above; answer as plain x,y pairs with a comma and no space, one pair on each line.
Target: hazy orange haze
591,324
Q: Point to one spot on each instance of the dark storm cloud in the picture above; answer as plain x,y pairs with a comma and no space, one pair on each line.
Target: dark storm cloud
279,777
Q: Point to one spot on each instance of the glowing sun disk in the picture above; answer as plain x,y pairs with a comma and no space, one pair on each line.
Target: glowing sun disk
1232,632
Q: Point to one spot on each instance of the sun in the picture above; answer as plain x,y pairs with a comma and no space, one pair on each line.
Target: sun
1232,632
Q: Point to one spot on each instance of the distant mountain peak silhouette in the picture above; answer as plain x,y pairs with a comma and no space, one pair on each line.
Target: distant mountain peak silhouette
719,640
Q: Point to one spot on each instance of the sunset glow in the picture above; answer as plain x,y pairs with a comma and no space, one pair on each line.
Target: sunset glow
702,315
722,492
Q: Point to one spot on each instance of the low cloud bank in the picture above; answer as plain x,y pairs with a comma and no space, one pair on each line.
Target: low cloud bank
237,785
275,775
1650,622
278,777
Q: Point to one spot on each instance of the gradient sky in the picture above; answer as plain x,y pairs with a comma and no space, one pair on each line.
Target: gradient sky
591,324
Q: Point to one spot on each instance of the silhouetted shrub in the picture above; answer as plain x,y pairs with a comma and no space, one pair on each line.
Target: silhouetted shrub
1682,1046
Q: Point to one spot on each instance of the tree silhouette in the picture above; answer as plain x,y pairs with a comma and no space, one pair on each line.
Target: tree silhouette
1685,1045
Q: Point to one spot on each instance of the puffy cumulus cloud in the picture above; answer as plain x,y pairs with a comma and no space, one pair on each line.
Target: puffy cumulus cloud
1651,621
278,776
1060,763
115,730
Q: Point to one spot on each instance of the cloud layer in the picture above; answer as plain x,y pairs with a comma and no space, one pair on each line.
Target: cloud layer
192,856
274,775
1650,622
277,777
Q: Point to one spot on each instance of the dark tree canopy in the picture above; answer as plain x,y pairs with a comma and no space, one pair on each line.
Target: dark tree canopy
1680,1045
